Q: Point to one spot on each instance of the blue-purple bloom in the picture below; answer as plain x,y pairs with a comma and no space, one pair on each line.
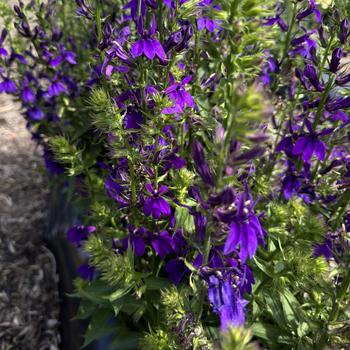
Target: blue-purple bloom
226,302
79,233
86,272
245,228
8,86
308,11
307,145
179,96
56,88
156,205
337,55
147,45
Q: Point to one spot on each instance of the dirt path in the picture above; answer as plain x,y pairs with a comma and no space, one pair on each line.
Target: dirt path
28,281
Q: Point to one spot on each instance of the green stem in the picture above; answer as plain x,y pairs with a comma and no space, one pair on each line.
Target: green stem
98,21
340,295
289,33
132,184
323,101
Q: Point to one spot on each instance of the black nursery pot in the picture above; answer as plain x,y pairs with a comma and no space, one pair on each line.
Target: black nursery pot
62,215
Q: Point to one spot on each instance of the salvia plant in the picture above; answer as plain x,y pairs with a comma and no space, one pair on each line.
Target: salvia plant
207,143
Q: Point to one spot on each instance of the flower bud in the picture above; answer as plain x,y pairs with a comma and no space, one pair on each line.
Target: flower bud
335,61
344,30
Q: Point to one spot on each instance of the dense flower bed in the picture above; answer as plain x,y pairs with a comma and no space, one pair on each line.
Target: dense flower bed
209,146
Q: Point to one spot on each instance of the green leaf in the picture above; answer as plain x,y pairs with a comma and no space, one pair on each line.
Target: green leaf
125,340
98,326
184,219
271,333
259,263
120,292
157,283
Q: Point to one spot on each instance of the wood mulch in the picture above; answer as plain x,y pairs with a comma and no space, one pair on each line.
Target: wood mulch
29,301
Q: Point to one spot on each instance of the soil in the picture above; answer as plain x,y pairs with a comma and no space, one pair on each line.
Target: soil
29,301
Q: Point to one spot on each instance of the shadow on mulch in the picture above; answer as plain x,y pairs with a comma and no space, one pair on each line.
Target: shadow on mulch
29,300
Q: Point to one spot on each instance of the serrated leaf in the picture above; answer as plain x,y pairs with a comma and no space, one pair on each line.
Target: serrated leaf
184,220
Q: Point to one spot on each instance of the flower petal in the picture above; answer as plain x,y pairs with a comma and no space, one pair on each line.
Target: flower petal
232,239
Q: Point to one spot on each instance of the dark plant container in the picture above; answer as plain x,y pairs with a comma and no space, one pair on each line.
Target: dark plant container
62,214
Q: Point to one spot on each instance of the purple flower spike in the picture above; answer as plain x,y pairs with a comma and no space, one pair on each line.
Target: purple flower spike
344,30
156,205
335,61
78,234
147,45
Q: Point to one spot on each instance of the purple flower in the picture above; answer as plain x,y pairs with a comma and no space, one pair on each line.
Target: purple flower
310,72
53,167
245,229
176,270
35,113
290,185
133,119
226,302
337,55
311,9
27,95
325,248
201,165
8,86
79,233
3,51
309,144
179,40
303,45
133,5
277,20
83,10
156,205
86,272
342,80
338,103
271,66
177,93
147,45
207,23
165,243
56,88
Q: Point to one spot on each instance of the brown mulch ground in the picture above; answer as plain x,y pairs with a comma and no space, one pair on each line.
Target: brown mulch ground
28,281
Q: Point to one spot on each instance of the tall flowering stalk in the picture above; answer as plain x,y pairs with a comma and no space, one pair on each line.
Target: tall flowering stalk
208,141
